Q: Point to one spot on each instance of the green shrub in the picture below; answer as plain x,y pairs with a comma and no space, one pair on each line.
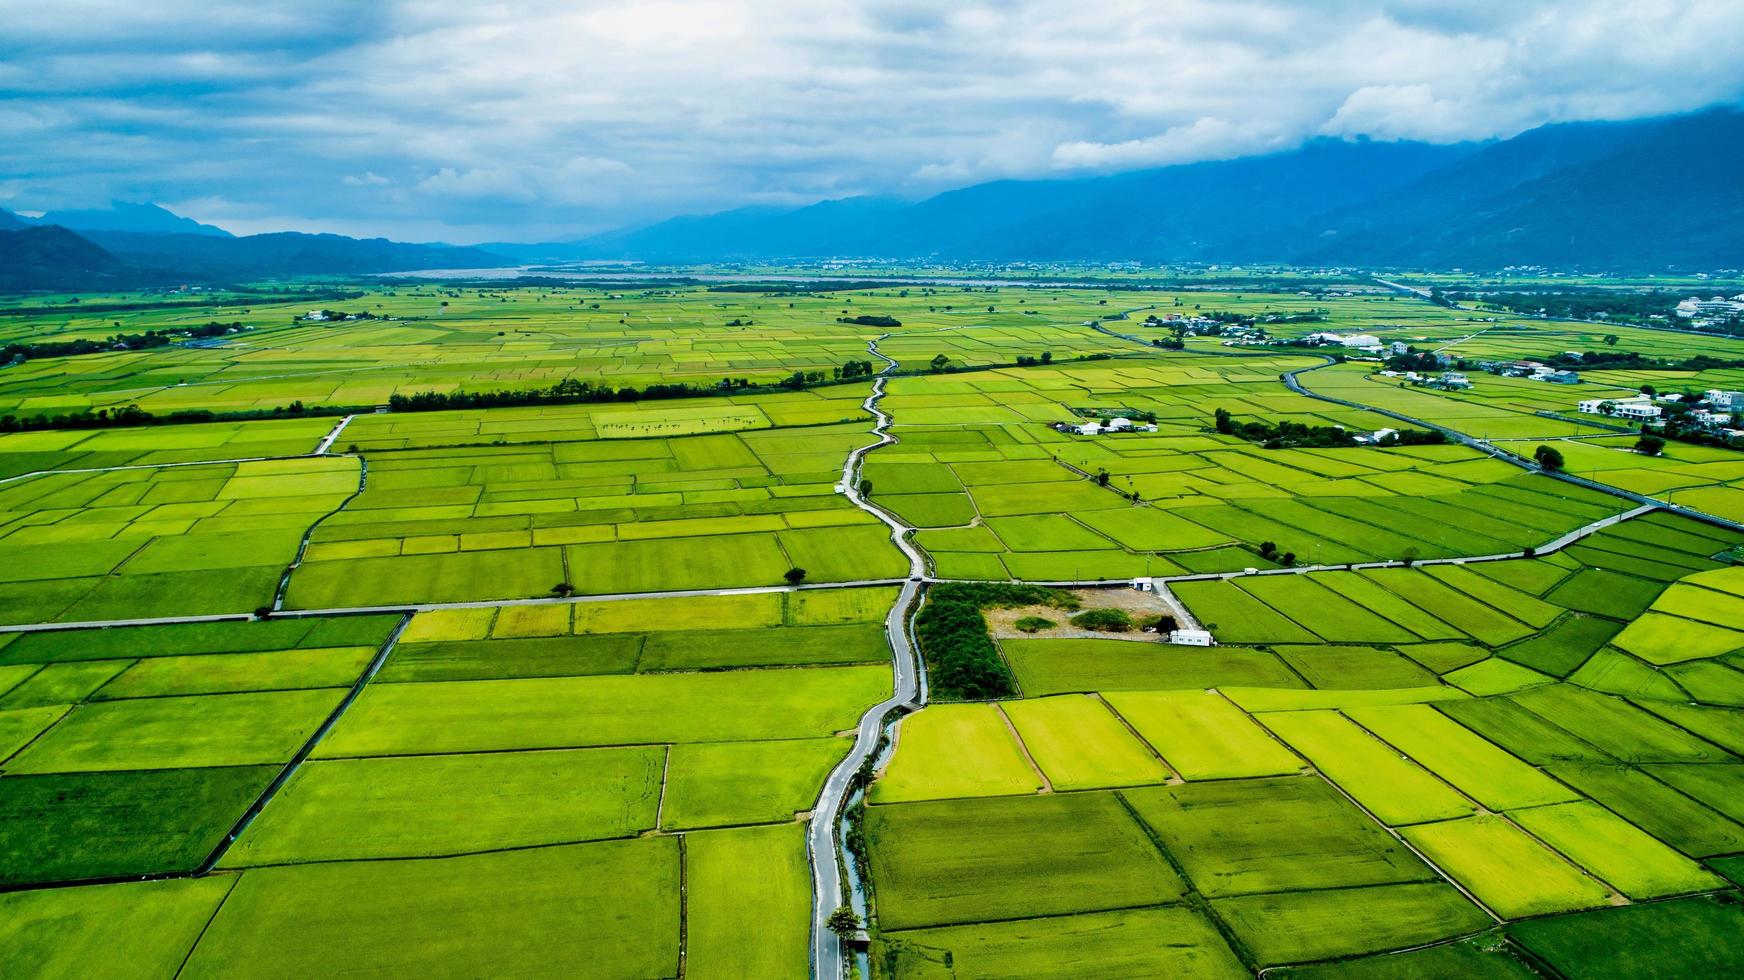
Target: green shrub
1103,620
1034,624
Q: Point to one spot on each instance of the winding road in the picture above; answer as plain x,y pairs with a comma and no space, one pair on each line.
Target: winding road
822,845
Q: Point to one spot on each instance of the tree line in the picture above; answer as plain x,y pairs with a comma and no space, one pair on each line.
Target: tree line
1294,435
121,341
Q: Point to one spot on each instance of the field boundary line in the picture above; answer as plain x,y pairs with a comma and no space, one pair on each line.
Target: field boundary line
155,466
309,535
1393,833
1022,746
1194,898
1158,753
290,769
683,901
189,955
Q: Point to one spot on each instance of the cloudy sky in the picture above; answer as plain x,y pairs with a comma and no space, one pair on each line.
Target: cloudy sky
473,120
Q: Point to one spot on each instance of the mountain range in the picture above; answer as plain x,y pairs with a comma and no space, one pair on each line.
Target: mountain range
1648,194
1642,194
129,246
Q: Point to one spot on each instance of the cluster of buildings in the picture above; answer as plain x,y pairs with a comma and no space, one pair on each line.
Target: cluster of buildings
1356,341
1716,409
1096,427
1446,380
1701,312
1198,326
1532,371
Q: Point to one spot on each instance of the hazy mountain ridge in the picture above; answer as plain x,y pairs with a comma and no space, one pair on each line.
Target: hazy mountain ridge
125,216
54,258
38,256
1642,193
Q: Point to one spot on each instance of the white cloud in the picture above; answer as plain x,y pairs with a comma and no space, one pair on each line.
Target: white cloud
526,117
1202,139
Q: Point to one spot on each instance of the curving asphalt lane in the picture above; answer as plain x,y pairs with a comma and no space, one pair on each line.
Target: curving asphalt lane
827,961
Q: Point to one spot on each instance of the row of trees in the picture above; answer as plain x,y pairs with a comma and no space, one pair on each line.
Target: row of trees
121,341
1292,435
132,416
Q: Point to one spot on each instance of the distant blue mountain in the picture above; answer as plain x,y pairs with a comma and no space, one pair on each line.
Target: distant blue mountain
123,216
1641,194
53,258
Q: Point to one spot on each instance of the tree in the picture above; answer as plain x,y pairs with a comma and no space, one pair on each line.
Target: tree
1268,549
1607,408
1649,445
938,362
794,575
1548,458
563,590
843,921
1288,559
1102,478
1611,340
865,488
1047,357
264,612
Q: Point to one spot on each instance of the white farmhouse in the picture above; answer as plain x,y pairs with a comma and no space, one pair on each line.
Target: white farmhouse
1634,407
1190,638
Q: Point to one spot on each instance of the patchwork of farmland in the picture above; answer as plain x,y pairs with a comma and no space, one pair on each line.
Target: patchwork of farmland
998,494
1374,761
601,515
588,772
315,687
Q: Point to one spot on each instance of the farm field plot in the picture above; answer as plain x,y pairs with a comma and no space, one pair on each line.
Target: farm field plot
954,861
144,767
1304,798
162,541
979,453
568,819
31,452
733,509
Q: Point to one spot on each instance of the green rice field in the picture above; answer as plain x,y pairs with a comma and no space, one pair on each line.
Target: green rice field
320,682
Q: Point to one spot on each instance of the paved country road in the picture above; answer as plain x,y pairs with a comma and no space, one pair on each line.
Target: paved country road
821,844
